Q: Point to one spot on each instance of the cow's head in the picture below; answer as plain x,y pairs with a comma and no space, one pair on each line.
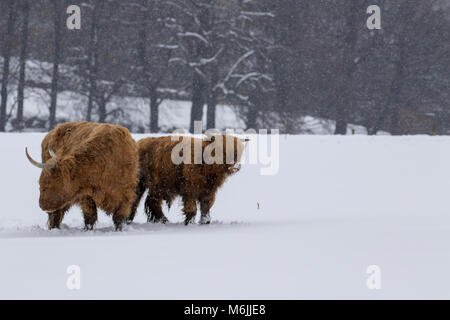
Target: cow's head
57,189
238,150
233,148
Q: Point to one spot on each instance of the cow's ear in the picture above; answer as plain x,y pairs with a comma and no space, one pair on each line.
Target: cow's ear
209,138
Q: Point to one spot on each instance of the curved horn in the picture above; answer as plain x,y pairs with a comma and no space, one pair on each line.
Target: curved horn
38,164
52,154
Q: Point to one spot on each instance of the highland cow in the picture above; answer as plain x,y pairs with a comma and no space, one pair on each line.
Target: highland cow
194,181
91,165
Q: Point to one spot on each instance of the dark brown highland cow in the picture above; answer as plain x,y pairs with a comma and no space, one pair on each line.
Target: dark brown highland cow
91,165
193,182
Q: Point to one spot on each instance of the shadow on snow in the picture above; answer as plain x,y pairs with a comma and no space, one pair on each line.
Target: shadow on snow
103,230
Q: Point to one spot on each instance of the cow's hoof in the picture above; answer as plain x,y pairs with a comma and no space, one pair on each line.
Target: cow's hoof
154,219
205,219
190,219
118,221
164,220
118,226
88,227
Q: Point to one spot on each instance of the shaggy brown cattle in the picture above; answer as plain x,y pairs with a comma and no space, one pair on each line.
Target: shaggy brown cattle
89,164
193,182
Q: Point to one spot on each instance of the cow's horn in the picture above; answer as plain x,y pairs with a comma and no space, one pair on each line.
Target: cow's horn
38,164
211,135
52,154
245,140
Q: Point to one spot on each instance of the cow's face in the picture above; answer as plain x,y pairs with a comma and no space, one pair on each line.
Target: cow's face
56,184
238,150
232,150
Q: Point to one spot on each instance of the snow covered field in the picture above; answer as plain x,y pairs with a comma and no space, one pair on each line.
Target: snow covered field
337,206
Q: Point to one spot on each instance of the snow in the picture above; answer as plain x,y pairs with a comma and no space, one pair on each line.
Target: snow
336,206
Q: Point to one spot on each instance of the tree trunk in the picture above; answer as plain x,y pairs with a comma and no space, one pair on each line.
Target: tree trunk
148,77
56,60
154,111
23,62
342,110
211,111
372,131
393,101
395,93
93,59
395,123
349,68
6,61
212,98
102,111
281,83
198,99
341,126
252,116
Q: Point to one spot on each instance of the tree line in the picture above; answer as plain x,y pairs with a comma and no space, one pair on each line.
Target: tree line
274,61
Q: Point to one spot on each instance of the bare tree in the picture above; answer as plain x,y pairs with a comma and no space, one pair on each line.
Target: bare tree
92,60
25,8
57,47
346,98
418,64
154,50
106,91
216,38
6,62
274,61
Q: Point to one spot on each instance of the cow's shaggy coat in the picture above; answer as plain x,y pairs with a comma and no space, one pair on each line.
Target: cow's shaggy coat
195,183
94,166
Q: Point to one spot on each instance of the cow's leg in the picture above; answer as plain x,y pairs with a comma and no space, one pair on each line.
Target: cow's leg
55,218
189,209
121,215
140,190
89,212
153,209
206,202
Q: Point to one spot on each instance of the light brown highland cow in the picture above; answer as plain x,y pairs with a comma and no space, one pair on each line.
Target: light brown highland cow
166,179
91,165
